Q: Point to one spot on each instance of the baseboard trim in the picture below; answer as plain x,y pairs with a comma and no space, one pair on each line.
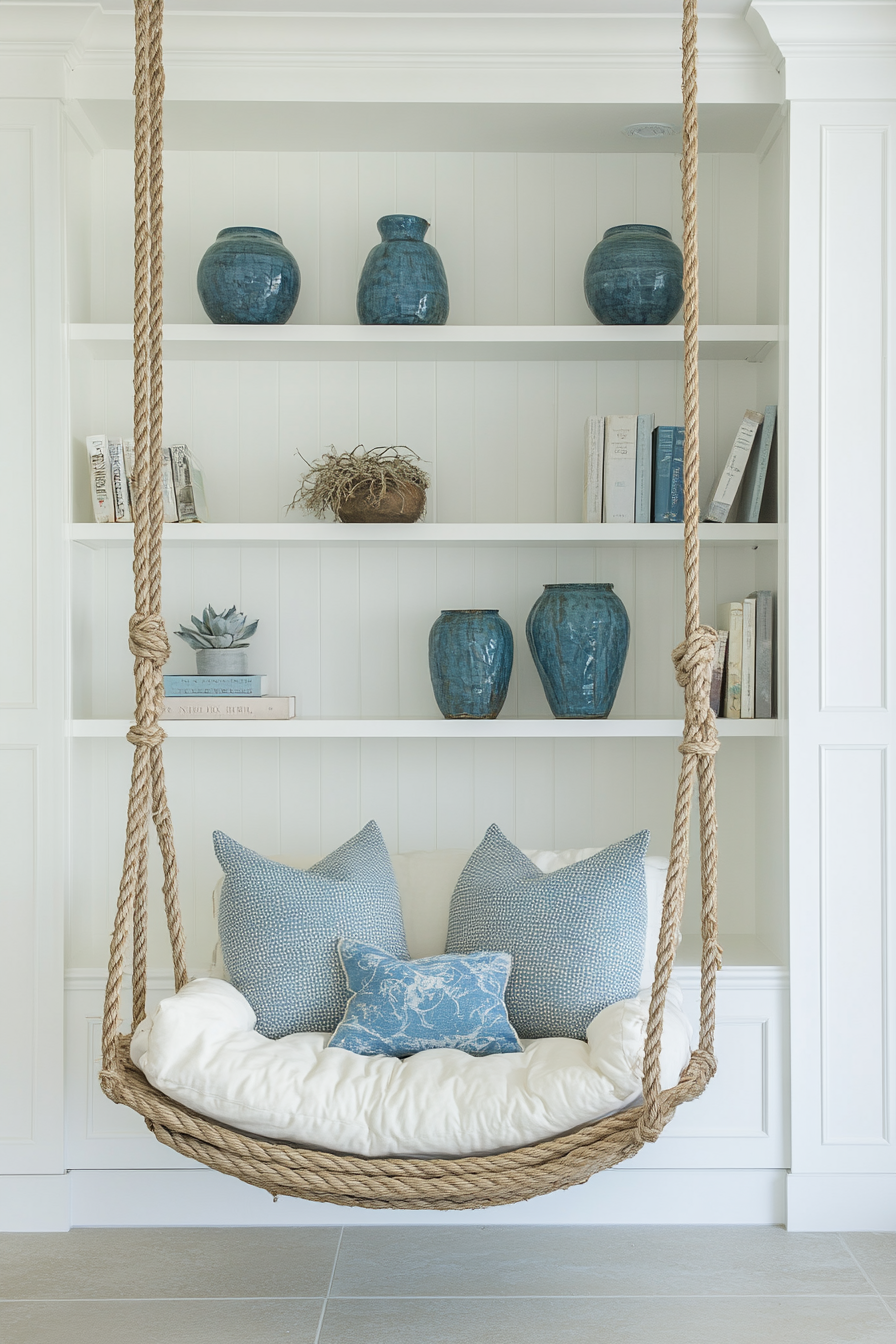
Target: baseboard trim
35,1203
841,1203
201,1198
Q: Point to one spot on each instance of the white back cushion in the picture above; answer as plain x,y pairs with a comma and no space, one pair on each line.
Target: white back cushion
427,878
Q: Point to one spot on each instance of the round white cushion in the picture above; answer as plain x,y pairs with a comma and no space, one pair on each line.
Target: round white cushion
200,1048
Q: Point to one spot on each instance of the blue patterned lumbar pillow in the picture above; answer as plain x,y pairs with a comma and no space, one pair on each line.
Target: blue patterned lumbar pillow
576,936
279,927
438,1003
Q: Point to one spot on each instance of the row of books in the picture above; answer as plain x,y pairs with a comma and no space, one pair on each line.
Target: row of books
111,464
634,470
235,697
743,671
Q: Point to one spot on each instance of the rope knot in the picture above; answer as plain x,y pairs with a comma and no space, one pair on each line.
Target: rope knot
699,1068
693,658
148,638
146,735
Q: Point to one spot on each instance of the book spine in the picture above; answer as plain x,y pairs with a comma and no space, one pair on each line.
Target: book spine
100,483
718,674
594,469
764,706
731,618
757,469
643,468
127,448
620,461
119,477
676,484
230,707
169,495
664,442
731,475
183,484
748,661
188,685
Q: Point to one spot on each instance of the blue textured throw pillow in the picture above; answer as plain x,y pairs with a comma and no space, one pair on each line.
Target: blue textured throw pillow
279,927
438,1003
576,936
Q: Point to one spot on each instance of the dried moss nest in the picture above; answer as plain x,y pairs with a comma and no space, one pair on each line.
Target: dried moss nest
338,478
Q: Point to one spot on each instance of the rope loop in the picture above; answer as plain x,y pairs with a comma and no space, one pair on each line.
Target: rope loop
148,638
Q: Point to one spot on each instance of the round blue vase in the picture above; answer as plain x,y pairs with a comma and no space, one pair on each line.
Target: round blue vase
403,282
578,634
248,276
470,658
634,277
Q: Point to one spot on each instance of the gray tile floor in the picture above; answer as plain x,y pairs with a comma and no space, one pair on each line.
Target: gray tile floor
460,1285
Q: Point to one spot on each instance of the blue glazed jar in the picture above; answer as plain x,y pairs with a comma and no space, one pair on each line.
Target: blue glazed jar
634,277
248,276
578,635
403,282
470,658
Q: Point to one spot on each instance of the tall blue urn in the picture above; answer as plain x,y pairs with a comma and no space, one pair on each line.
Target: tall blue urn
248,276
634,277
403,282
470,658
578,635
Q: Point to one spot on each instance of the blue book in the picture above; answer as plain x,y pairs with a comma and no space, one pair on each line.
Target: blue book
668,474
643,468
250,684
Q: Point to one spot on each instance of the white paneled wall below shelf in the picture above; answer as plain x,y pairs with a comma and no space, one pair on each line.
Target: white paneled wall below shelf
514,230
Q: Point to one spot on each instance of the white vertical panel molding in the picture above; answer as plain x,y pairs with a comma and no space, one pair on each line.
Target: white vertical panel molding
33,464
852,386
853,930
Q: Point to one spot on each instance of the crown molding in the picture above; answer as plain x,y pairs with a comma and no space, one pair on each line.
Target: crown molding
830,49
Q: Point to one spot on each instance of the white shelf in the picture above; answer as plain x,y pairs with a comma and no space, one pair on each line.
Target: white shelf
443,728
102,535
203,341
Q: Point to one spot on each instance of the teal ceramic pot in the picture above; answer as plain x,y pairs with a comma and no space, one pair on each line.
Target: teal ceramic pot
578,635
403,282
470,659
634,277
248,276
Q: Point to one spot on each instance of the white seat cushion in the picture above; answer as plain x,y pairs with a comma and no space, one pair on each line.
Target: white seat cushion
200,1048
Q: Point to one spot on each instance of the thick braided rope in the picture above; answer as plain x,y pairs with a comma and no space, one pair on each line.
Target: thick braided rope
693,665
147,637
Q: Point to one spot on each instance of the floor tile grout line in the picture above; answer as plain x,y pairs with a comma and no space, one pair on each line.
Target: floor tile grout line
323,1309
865,1275
472,1297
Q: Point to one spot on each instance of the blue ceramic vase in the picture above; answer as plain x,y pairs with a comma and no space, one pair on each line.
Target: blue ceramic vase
470,657
634,277
578,634
248,276
403,281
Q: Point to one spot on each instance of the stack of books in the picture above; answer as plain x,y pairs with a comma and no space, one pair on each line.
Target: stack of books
743,672
239,697
634,470
111,464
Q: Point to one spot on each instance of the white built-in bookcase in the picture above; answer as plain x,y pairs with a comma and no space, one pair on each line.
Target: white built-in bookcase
495,404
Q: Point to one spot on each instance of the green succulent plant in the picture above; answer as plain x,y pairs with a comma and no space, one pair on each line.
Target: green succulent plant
227,630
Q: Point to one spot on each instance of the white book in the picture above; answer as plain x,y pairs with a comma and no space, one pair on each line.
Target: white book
100,481
181,467
728,482
119,476
748,662
620,465
594,469
644,470
229,707
169,495
731,618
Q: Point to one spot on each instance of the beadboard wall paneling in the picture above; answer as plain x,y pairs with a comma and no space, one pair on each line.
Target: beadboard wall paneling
345,628
307,797
18,931
503,442
514,230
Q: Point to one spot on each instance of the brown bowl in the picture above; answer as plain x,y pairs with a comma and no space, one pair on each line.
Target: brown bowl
403,504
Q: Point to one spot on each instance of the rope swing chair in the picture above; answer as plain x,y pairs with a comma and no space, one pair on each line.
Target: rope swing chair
285,1168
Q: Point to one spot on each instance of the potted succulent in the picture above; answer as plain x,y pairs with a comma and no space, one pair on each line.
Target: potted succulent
220,641
379,485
